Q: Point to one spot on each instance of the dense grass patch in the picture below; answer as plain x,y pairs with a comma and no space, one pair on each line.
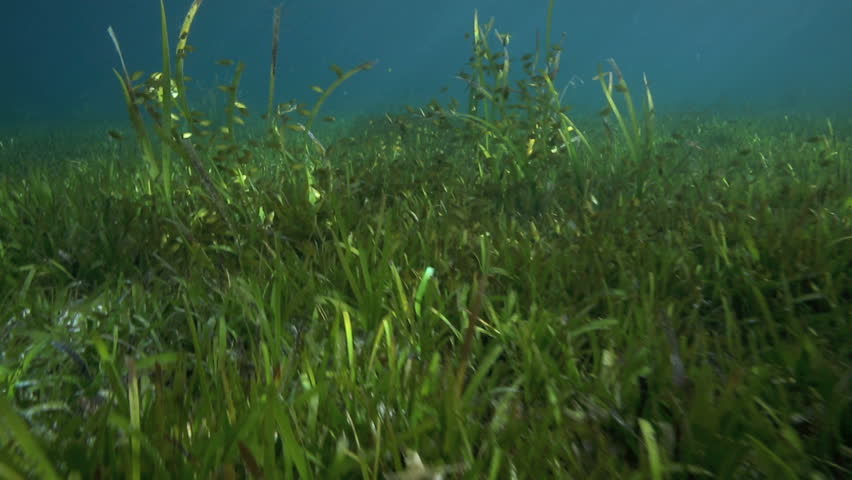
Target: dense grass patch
475,295
306,338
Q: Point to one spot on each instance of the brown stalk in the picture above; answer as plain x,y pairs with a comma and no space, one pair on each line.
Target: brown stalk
467,347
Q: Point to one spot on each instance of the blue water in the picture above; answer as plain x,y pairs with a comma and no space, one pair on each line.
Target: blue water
779,56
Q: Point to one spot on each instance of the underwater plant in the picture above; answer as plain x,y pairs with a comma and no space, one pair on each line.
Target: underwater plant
382,306
192,136
527,125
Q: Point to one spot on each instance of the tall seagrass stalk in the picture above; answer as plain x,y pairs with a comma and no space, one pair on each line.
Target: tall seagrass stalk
638,136
273,66
165,91
495,108
325,93
650,116
480,48
132,102
548,32
275,114
232,105
166,96
181,52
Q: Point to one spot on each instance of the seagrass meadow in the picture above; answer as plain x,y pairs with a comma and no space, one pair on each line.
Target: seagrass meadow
486,288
